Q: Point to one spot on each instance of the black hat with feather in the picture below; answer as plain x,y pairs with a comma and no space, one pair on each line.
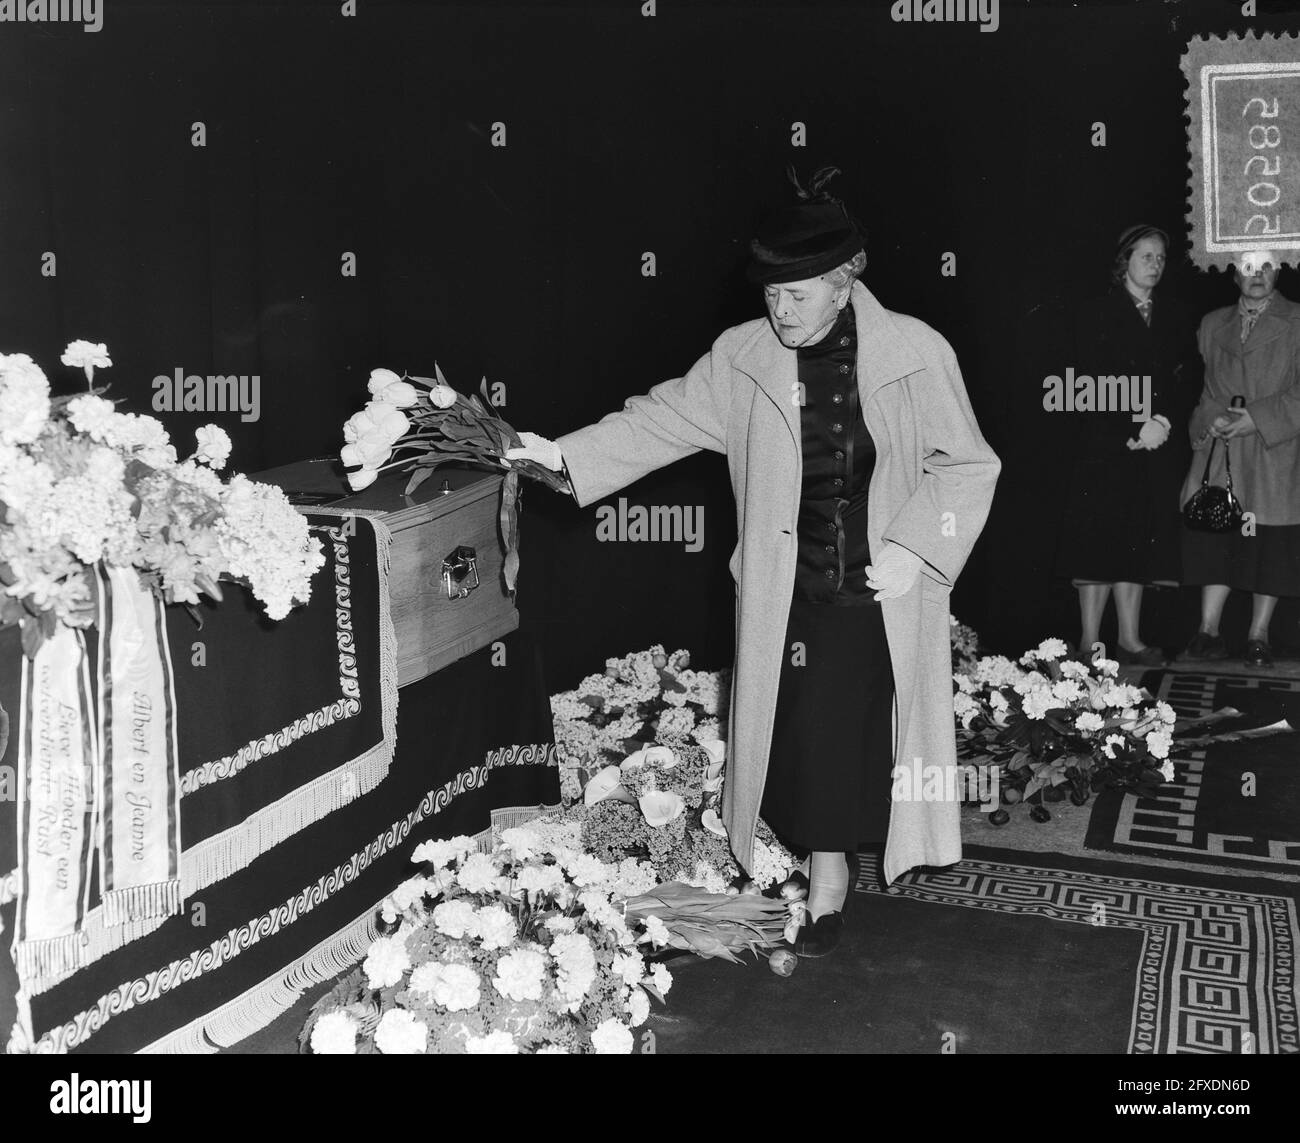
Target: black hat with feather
809,238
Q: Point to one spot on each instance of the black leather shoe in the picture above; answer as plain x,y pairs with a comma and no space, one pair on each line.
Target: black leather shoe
1258,654
1205,647
1147,657
820,937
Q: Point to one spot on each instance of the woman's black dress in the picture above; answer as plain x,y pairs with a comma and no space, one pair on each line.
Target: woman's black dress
1121,522
829,770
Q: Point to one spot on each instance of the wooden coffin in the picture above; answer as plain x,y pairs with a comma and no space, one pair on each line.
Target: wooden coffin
456,507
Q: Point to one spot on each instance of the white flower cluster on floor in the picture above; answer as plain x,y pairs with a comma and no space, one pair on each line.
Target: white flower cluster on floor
529,948
82,483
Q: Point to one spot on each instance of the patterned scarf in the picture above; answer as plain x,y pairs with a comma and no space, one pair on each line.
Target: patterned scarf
1250,314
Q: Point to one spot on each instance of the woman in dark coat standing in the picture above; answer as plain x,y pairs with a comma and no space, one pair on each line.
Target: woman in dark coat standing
1121,529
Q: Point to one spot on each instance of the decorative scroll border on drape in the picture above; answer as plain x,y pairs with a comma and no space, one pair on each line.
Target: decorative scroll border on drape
347,705
253,1010
224,854
261,1000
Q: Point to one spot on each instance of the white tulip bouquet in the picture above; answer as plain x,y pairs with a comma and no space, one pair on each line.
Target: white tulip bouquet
431,424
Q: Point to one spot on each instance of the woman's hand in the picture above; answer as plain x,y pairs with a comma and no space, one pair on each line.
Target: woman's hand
1239,424
1153,433
537,449
894,572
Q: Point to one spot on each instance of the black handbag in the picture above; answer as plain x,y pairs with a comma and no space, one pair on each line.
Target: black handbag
1212,507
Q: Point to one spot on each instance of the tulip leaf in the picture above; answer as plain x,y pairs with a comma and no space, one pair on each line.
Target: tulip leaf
418,477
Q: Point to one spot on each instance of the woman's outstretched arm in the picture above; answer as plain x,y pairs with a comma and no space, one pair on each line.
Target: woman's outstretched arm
673,420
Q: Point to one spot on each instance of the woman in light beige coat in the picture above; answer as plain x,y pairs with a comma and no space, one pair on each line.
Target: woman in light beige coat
929,495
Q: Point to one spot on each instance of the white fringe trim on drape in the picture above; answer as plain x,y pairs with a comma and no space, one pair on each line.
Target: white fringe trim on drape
225,854
432,803
56,956
509,817
161,899
97,939
253,1010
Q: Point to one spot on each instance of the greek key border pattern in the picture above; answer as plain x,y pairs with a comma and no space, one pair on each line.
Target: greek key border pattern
131,994
1173,810
347,706
1216,965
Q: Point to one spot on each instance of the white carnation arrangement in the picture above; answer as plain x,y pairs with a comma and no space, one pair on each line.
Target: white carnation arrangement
535,947
82,483
1054,725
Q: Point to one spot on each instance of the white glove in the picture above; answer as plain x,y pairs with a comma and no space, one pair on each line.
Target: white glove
895,571
538,449
1153,433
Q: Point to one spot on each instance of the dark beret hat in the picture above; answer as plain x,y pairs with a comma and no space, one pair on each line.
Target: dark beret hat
1134,234
809,238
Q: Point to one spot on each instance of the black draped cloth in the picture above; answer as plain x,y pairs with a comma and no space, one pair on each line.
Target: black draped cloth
828,779
260,716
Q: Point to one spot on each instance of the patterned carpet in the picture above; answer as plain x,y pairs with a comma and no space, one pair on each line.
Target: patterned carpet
1215,971
1235,804
1001,954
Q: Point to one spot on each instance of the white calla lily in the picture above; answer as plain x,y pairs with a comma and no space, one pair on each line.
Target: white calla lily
711,822
715,748
661,754
648,754
713,778
602,785
659,808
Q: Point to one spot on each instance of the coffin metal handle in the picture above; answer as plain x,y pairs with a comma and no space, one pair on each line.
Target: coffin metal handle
460,572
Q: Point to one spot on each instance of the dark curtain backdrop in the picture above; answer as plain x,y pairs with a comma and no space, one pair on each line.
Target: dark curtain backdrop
625,134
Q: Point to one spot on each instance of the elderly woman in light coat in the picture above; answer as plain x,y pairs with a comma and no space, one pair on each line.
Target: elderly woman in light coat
929,493
1252,352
